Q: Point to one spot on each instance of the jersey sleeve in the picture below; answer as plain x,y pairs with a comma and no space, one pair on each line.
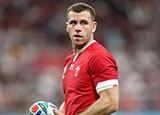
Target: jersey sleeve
103,70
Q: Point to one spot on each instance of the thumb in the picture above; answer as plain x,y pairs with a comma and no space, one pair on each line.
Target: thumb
56,111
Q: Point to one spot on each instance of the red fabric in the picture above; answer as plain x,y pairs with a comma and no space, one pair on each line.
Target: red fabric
92,66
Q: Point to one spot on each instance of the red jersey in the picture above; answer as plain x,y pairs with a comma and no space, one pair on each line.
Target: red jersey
86,73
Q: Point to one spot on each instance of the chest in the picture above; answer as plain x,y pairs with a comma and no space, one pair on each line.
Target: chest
76,75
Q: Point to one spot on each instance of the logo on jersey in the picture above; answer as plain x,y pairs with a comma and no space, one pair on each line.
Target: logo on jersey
77,71
71,67
64,71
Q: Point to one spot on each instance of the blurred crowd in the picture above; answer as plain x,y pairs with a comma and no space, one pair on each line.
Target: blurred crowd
34,44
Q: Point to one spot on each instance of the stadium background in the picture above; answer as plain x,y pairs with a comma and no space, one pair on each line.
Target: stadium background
34,43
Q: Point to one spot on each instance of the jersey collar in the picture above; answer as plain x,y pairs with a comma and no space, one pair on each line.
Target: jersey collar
81,50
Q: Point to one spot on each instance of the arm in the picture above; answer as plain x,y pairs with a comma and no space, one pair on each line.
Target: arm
61,110
106,104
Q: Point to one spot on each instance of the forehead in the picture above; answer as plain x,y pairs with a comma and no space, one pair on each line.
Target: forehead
84,15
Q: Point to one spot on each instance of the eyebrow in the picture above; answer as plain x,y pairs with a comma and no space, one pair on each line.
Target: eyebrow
71,21
83,20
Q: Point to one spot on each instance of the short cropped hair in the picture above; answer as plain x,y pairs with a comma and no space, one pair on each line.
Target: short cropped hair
79,7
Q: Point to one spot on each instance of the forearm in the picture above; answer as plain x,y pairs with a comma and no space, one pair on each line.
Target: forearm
98,108
103,106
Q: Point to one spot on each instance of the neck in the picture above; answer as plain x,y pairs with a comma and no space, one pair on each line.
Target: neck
82,49
77,48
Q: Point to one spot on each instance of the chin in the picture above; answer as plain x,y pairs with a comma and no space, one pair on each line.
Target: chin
79,45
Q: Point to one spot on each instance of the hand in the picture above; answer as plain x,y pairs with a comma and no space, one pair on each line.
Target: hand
57,112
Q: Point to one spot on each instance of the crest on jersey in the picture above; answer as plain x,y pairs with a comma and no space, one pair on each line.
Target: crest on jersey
77,71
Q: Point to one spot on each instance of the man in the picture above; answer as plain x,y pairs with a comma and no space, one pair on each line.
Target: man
90,78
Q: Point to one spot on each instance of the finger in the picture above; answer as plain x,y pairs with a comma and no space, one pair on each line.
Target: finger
56,111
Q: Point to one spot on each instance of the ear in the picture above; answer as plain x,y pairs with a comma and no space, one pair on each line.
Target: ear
94,26
67,26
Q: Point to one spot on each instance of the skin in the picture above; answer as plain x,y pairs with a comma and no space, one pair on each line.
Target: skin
82,25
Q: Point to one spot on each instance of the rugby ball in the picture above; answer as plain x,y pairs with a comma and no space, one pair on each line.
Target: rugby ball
41,108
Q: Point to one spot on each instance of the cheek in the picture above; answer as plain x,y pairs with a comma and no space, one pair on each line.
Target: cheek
88,36
70,31
88,32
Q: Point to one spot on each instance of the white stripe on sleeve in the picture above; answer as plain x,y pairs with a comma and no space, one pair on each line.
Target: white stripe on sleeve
106,85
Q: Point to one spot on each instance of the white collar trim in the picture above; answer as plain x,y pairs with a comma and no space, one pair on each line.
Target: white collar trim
81,50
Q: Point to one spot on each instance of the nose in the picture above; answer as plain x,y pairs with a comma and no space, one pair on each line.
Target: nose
78,28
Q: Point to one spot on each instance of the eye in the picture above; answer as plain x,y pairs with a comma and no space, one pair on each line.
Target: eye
73,22
84,22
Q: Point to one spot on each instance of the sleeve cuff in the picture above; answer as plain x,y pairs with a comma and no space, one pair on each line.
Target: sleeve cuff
106,85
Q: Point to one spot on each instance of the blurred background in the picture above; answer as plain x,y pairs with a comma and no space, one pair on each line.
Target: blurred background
34,44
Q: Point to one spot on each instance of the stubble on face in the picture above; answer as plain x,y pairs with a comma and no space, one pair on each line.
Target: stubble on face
79,27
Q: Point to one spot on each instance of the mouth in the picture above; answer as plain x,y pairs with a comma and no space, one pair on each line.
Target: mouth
77,36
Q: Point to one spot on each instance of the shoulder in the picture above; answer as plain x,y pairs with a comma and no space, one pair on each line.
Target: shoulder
102,58
98,52
71,53
69,56
101,62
